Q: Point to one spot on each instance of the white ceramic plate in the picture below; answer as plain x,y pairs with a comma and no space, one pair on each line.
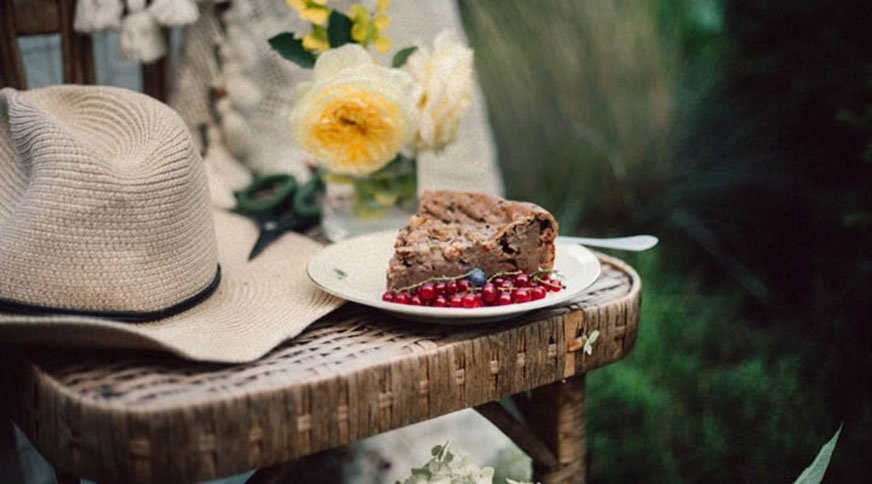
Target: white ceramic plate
354,270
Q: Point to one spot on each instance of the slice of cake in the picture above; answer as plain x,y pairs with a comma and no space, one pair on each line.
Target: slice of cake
454,232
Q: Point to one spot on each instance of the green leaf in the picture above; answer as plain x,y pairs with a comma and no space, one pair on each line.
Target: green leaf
402,56
436,450
339,29
292,49
814,473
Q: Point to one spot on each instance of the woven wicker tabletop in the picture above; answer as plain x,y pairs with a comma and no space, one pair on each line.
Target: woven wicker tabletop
113,415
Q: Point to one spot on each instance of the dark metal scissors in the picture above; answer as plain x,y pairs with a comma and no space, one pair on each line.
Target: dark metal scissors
277,204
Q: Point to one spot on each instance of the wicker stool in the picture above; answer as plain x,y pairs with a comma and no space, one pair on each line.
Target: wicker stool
148,417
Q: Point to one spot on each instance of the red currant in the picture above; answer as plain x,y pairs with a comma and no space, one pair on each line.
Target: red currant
416,301
451,288
489,292
522,280
521,295
497,281
537,293
402,297
505,284
440,302
456,301
440,289
552,284
463,285
505,298
388,296
468,300
478,302
427,291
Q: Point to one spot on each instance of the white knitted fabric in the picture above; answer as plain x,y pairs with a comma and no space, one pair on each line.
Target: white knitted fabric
261,90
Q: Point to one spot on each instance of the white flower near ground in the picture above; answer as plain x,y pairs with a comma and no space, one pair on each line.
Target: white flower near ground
445,74
355,116
450,468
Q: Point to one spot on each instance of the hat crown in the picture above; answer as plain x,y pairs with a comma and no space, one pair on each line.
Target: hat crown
104,204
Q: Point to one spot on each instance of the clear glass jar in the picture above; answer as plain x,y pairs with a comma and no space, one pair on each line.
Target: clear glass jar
356,205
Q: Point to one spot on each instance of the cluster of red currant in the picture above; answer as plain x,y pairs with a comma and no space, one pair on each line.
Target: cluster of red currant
475,289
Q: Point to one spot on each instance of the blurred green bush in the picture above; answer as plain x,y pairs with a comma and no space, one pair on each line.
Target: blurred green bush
704,396
740,133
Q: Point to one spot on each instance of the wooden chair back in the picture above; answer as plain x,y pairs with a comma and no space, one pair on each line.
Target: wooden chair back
20,18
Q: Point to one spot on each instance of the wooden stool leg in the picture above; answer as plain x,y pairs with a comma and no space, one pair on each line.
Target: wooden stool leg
557,417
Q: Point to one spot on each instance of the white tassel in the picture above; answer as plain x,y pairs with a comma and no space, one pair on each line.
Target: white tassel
96,15
141,38
174,13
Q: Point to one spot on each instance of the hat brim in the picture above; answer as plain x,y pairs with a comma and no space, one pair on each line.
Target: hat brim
257,305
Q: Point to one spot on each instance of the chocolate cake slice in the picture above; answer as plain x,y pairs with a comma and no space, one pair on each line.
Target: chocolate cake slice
454,232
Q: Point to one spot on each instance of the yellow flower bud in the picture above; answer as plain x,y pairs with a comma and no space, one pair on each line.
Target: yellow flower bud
313,11
298,5
382,21
382,43
360,32
358,12
315,43
317,15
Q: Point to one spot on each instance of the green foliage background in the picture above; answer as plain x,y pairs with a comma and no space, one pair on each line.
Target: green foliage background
739,132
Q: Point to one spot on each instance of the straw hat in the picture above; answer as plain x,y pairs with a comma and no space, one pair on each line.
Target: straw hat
107,238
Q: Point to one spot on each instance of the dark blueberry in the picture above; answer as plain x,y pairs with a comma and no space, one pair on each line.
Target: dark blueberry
477,277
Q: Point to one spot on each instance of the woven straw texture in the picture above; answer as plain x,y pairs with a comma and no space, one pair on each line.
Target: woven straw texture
145,418
104,206
258,305
103,202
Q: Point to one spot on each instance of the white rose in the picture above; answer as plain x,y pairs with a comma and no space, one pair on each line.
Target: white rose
446,78
355,116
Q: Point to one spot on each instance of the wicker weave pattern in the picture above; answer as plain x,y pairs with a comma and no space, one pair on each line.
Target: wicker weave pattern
357,373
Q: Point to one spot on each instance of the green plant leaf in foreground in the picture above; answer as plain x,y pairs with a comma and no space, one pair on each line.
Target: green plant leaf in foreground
339,29
402,56
292,49
814,473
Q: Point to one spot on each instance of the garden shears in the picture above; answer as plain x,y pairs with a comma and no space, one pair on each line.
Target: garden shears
278,204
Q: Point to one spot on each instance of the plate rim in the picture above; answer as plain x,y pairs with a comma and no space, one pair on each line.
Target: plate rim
455,315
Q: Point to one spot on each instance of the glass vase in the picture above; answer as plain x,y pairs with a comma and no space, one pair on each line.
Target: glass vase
383,200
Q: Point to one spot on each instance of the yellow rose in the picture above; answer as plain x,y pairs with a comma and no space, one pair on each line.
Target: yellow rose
355,116
446,78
